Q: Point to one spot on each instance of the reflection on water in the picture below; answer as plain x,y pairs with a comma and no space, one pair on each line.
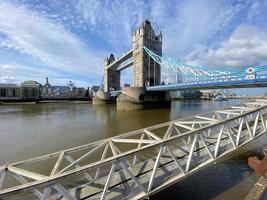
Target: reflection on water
31,130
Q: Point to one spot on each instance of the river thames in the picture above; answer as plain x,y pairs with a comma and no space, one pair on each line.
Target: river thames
33,130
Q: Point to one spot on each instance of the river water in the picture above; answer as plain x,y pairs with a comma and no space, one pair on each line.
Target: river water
27,131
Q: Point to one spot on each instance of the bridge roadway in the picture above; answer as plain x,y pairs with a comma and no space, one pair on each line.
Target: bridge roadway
238,82
137,164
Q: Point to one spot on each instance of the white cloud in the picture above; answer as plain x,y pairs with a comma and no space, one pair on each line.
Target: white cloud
196,23
257,12
185,24
55,32
17,73
6,79
27,32
112,21
245,47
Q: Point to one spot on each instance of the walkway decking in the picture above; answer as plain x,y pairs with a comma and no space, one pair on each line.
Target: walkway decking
137,164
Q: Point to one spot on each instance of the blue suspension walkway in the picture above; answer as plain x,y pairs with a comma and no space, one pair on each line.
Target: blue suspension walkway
180,76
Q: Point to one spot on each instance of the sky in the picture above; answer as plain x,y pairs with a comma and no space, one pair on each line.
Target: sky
69,39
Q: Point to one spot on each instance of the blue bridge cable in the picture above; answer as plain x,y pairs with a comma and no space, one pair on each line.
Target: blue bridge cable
188,72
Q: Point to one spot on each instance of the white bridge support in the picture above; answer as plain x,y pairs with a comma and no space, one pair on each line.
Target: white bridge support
137,164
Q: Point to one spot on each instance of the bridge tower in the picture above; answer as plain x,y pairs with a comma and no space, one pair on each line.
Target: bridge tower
146,72
111,82
111,76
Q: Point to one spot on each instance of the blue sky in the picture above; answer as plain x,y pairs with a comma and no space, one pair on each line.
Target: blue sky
68,39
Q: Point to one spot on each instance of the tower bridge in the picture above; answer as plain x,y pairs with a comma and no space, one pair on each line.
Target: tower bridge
146,72
155,74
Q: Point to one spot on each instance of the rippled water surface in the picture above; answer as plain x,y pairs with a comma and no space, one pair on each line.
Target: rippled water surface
31,130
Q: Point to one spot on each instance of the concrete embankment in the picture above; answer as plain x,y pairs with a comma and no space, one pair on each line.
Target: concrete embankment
259,191
18,103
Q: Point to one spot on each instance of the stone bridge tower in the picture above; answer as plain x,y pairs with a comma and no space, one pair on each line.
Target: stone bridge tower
145,70
111,76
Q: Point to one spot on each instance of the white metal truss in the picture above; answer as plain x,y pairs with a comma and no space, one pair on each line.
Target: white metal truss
185,69
137,164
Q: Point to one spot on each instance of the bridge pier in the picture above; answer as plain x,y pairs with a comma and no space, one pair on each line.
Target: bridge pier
102,97
136,98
